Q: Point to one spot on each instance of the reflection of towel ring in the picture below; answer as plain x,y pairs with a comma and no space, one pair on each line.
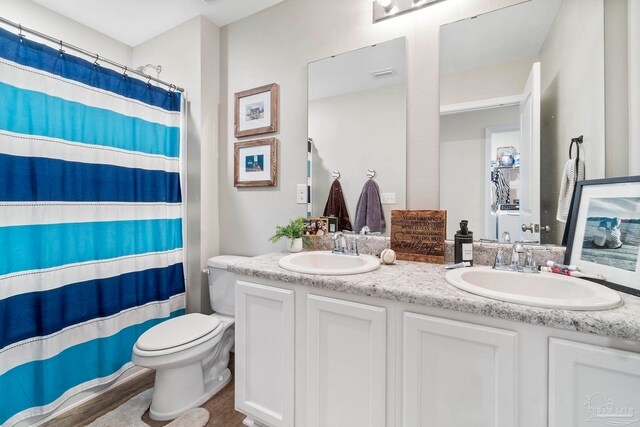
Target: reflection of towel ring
371,173
335,175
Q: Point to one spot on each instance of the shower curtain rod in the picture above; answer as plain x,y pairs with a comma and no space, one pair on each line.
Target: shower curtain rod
87,53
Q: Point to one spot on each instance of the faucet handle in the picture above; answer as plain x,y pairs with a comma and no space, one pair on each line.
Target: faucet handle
499,263
530,264
352,246
338,242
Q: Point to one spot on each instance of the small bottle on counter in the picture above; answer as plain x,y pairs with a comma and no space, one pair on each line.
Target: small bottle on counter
464,244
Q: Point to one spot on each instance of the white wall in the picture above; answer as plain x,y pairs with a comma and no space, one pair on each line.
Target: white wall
617,87
463,165
276,45
189,55
573,100
356,132
34,16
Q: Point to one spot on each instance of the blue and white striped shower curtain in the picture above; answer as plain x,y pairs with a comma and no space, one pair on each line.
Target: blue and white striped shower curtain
90,222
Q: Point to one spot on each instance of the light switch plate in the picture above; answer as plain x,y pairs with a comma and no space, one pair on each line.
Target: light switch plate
388,198
301,193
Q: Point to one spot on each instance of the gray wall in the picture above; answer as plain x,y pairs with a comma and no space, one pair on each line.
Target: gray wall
572,101
463,161
275,46
356,132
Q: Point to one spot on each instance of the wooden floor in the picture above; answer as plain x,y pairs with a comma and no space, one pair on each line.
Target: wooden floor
219,406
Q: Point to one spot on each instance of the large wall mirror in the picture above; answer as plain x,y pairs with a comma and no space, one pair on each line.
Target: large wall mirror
357,122
516,86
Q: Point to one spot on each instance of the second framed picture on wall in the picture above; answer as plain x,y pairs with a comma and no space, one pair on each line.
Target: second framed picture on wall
256,163
256,110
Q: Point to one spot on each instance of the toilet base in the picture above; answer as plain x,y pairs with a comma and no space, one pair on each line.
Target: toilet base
178,390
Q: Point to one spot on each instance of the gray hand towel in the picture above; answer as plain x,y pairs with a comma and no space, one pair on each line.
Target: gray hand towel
369,209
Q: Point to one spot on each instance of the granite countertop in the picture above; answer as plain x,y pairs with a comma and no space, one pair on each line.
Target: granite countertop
424,284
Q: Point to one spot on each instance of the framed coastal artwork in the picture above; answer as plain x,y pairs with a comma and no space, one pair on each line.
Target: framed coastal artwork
256,110
256,163
604,232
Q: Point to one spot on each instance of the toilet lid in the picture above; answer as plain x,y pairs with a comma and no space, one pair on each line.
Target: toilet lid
177,331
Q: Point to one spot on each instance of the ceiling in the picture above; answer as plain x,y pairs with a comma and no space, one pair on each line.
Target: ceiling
351,72
135,21
515,32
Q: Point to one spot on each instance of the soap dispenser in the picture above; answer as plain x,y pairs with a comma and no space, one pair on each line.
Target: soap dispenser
464,243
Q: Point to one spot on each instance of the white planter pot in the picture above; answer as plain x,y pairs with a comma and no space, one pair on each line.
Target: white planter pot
295,245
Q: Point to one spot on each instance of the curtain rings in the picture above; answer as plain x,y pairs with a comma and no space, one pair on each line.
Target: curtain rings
95,63
60,49
20,33
124,73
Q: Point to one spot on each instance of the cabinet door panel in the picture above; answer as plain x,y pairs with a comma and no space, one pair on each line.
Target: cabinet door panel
591,385
458,374
346,363
265,353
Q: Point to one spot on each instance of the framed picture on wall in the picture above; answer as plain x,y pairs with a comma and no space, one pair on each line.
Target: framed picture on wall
256,163
256,111
604,232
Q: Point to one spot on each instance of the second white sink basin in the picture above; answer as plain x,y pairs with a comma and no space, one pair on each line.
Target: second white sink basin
541,290
328,264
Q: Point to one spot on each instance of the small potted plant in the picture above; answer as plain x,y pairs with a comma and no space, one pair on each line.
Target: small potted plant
293,231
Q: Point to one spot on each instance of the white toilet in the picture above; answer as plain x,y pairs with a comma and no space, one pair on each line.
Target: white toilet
190,353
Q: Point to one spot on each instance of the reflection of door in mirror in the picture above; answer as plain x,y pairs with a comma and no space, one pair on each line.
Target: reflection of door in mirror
485,63
357,120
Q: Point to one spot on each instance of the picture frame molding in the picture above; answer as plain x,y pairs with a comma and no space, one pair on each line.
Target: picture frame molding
273,166
572,226
274,88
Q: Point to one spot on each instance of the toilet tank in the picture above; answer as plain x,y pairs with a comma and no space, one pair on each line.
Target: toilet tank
222,283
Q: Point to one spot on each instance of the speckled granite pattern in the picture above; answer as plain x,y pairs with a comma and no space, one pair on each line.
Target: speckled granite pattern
483,253
367,245
421,283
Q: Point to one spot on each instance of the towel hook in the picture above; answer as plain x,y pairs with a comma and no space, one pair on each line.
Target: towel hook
371,173
577,141
335,175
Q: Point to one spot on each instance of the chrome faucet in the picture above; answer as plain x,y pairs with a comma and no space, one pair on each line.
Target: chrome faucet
344,245
339,242
367,231
516,250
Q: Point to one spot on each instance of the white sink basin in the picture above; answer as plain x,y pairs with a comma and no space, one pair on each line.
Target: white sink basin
547,290
328,264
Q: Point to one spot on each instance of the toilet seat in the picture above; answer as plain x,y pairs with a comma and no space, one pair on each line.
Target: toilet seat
178,334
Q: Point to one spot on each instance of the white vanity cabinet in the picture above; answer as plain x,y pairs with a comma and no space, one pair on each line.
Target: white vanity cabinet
346,363
592,385
361,361
264,352
458,374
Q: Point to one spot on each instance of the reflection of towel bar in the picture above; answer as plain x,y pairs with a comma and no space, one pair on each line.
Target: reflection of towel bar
335,175
371,173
